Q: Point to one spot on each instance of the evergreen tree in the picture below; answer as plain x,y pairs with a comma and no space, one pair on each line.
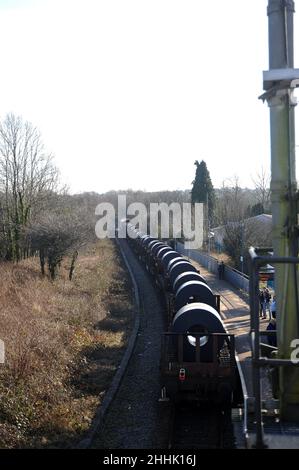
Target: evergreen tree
257,209
202,190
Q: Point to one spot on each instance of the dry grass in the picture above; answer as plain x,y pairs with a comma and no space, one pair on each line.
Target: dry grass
64,341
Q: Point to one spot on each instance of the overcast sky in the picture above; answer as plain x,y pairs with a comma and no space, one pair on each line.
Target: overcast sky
129,93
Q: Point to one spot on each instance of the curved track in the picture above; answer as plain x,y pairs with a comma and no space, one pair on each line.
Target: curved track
201,427
136,418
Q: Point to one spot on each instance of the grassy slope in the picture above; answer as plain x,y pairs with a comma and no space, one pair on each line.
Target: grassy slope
63,343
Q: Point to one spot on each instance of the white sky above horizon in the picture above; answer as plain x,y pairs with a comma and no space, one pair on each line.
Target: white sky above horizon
129,93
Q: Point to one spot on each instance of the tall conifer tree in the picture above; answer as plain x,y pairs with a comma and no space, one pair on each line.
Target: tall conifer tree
202,189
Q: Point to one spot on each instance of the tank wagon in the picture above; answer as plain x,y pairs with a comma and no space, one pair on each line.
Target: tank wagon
198,355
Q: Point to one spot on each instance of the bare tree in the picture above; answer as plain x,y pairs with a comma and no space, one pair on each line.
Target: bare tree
239,231
262,188
56,236
231,204
27,176
239,236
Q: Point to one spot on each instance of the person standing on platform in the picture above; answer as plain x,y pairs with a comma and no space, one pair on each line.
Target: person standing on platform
267,296
262,304
221,270
272,339
273,307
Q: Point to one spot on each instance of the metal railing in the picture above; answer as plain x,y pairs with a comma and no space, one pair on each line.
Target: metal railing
245,406
231,275
256,262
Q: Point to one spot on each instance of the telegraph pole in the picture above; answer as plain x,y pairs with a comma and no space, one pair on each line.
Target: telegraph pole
278,85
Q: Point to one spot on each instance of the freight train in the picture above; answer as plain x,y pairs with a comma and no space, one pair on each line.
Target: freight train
198,360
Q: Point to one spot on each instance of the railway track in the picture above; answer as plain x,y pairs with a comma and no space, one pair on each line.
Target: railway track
197,427
137,419
200,427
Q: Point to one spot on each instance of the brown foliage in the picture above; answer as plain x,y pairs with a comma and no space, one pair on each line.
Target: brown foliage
63,343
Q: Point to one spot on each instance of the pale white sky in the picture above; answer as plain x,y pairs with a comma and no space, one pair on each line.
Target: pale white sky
128,93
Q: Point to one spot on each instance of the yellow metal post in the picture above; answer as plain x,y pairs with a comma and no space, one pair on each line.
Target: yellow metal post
283,189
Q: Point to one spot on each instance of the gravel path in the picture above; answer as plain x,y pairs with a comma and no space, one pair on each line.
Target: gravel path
136,419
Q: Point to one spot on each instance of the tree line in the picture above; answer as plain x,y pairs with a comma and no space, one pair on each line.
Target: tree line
35,218
39,218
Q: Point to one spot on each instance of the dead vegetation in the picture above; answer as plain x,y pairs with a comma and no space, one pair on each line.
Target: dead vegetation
64,341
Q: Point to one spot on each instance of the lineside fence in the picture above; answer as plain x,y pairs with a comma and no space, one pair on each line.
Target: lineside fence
231,275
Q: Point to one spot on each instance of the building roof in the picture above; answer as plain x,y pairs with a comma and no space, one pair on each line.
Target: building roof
258,228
